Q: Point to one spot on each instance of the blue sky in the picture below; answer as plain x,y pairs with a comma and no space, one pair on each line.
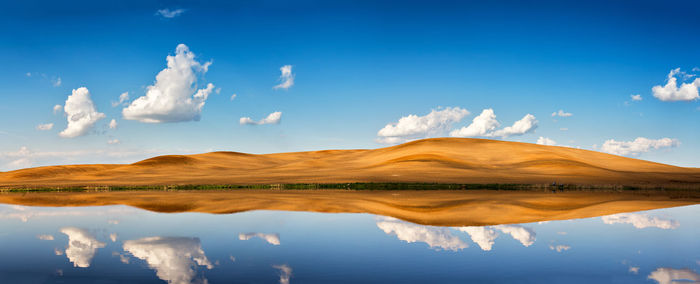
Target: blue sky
357,66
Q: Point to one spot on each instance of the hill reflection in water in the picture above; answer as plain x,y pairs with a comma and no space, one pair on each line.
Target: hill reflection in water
126,244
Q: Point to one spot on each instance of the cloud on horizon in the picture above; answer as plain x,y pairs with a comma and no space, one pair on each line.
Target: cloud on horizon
413,127
637,146
486,123
546,141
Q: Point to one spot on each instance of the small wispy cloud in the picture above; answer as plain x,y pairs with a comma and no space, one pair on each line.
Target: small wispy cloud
233,97
57,109
113,124
124,97
273,118
562,113
56,82
47,126
636,97
169,14
286,78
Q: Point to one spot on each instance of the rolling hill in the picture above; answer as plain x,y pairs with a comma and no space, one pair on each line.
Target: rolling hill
438,160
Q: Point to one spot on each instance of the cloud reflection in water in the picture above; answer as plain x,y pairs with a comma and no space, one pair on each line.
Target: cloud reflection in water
173,258
665,275
81,246
285,273
640,221
273,239
435,237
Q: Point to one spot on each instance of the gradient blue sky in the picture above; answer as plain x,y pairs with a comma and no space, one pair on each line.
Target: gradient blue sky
357,65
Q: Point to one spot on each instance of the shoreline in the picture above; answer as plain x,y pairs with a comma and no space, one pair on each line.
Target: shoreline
426,207
361,186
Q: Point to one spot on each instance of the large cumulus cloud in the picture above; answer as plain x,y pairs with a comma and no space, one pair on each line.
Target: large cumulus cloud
174,96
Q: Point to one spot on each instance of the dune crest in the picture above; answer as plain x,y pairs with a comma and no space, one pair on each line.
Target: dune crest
437,160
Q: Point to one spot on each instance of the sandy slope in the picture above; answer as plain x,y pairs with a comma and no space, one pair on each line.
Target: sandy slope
443,160
428,207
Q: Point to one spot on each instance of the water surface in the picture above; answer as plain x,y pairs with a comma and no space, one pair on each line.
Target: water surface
121,244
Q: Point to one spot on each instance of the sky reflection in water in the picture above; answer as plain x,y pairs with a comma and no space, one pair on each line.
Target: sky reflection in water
124,244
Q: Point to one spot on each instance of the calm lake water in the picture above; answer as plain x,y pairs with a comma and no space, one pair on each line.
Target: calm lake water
120,244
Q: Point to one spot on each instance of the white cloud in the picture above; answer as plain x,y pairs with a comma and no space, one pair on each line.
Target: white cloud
56,82
636,97
485,125
481,125
435,237
562,113
273,118
559,248
640,221
633,269
167,13
482,236
81,246
29,74
671,91
273,239
285,273
80,113
525,125
18,159
525,236
24,157
25,213
47,126
666,275
113,141
233,97
546,141
286,78
173,97
124,97
113,124
45,237
113,237
57,109
412,127
563,129
173,258
638,146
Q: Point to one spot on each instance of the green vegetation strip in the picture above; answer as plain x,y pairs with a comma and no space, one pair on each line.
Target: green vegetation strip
358,186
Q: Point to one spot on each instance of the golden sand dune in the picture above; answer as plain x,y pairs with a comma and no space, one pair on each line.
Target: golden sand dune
440,160
442,208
